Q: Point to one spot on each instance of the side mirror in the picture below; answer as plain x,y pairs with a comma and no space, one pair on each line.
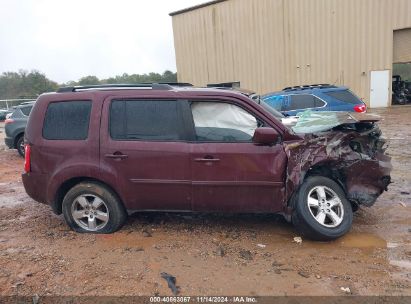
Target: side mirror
265,136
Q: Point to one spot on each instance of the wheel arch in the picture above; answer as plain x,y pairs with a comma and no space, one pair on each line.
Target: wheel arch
16,138
328,170
70,183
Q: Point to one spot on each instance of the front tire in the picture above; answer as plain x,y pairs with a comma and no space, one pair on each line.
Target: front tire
321,210
91,207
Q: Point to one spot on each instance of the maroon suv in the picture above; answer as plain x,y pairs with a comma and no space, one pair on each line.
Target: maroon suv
97,153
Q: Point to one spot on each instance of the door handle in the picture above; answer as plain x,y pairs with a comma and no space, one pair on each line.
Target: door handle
116,155
206,160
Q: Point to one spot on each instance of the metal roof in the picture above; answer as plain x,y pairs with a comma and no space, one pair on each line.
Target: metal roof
192,8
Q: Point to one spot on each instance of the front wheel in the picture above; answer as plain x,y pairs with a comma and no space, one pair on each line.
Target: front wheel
92,207
321,210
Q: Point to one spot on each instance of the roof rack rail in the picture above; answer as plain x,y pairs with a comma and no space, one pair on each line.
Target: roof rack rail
309,86
177,84
154,86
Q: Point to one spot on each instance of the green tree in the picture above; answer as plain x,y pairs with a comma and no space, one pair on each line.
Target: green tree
88,80
169,76
24,84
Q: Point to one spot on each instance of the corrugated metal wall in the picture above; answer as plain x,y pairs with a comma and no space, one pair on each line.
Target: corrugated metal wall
271,44
402,46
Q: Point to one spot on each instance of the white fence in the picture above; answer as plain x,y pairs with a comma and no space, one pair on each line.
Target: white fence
8,103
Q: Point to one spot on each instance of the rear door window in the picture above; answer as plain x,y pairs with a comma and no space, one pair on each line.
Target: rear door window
298,102
304,101
157,120
222,122
67,120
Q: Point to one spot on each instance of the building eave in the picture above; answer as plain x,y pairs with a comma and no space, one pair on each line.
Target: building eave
192,8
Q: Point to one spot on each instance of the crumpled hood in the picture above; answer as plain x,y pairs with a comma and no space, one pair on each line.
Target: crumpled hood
313,122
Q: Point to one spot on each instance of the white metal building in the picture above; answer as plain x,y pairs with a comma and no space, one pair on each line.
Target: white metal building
272,44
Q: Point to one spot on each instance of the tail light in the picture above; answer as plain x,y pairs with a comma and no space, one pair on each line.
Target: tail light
27,158
8,120
360,108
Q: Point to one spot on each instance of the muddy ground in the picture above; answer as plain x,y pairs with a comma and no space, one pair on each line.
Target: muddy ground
208,254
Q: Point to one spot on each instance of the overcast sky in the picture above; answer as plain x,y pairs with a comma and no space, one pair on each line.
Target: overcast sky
67,40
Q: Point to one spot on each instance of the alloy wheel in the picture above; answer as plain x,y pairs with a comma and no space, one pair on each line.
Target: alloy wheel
90,212
325,206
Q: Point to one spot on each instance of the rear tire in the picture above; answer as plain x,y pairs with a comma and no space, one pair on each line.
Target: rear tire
91,207
20,145
321,211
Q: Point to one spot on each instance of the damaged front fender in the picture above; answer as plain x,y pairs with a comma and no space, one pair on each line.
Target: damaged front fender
351,154
367,179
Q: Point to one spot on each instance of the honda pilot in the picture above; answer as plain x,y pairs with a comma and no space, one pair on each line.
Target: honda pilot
98,153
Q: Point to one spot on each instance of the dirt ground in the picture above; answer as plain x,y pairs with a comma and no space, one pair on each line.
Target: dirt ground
208,254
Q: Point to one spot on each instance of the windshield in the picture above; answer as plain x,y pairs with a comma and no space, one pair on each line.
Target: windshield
313,122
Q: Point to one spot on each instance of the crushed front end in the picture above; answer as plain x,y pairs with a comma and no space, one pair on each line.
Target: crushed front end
366,178
351,151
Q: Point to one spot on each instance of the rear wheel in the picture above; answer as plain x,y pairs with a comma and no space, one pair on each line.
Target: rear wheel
92,207
322,212
20,145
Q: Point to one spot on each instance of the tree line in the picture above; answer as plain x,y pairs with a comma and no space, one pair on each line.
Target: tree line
24,84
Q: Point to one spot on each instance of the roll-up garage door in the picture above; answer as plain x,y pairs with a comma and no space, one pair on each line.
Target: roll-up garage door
402,46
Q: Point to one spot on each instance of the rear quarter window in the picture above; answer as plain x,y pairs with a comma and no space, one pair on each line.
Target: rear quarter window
67,120
26,110
344,96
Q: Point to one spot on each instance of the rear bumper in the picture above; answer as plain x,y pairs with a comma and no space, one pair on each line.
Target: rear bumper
9,142
35,185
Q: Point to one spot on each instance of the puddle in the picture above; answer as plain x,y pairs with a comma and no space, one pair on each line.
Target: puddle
362,240
12,195
10,201
401,263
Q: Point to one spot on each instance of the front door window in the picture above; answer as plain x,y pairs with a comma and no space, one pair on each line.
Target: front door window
222,122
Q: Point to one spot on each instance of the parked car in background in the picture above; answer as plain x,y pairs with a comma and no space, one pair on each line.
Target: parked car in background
15,125
3,114
319,97
96,153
